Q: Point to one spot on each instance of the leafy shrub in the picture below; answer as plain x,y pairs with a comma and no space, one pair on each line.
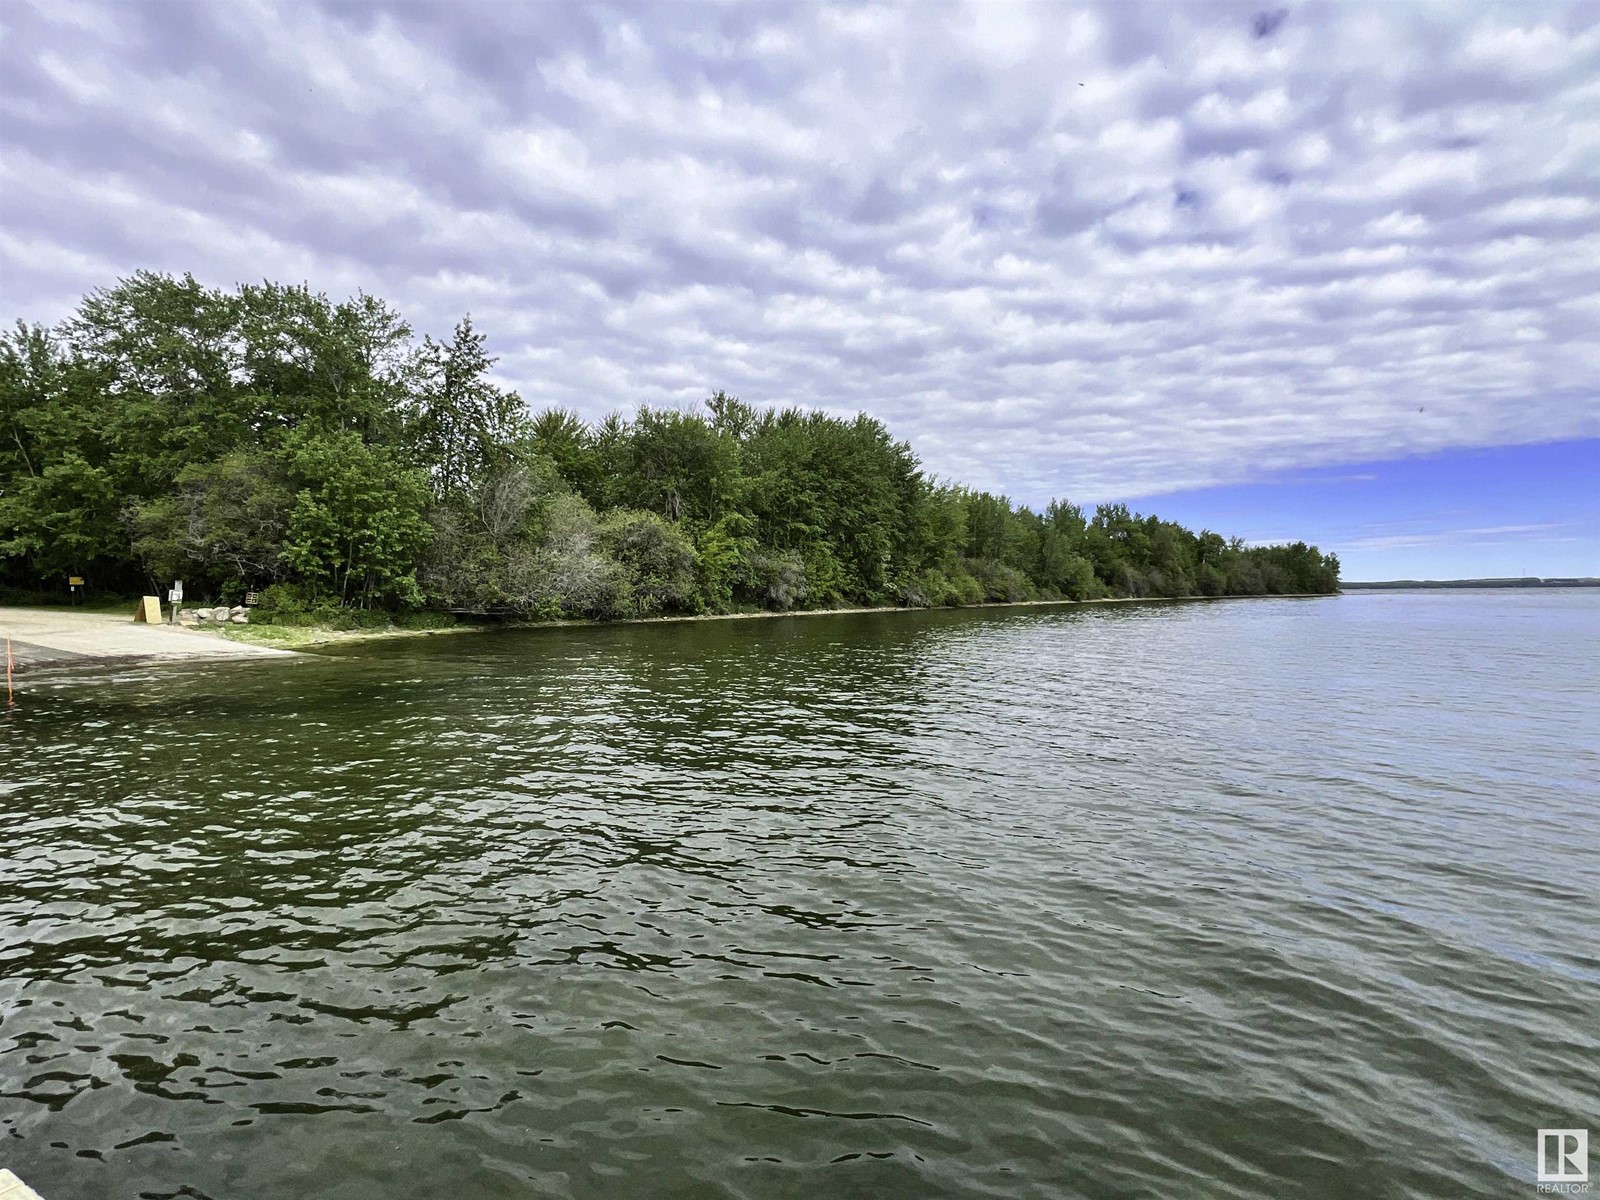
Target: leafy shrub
288,604
1000,582
964,589
1076,579
656,558
571,575
423,618
935,588
725,552
780,579
914,592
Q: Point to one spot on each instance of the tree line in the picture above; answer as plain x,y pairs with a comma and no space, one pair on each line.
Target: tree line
270,439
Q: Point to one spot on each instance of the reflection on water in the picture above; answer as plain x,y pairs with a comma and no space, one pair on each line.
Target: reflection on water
1243,899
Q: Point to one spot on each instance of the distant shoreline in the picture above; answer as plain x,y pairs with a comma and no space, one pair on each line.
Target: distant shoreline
1530,581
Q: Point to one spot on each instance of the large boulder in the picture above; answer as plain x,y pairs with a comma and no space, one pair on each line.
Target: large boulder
240,618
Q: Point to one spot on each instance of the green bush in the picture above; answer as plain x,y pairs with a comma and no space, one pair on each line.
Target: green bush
658,561
960,588
287,604
915,592
999,582
423,618
935,588
780,580
302,605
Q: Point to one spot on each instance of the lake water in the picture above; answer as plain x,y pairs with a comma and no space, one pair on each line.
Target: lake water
1274,898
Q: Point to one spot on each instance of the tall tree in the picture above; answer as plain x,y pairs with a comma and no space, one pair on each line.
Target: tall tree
463,423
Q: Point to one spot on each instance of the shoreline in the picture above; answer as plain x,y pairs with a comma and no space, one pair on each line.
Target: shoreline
72,639
315,636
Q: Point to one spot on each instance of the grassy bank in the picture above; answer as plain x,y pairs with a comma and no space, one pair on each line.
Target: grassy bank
300,637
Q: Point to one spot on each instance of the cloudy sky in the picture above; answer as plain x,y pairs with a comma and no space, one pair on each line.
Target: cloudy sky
1328,265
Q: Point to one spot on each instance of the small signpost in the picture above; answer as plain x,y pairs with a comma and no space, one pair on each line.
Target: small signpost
75,582
174,598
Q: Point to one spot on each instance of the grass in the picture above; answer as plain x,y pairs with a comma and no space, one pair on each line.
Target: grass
298,637
284,637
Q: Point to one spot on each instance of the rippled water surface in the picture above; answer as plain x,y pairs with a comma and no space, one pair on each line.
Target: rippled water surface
1266,898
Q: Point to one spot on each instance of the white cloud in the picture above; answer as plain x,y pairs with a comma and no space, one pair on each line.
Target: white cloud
1078,251
1483,536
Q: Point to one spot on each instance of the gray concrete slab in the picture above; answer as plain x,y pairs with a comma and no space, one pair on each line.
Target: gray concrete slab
58,637
12,1188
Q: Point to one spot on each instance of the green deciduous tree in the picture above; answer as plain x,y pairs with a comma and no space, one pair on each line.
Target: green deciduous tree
357,527
270,435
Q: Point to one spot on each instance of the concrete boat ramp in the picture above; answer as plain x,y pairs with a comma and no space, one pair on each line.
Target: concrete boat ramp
66,637
12,1188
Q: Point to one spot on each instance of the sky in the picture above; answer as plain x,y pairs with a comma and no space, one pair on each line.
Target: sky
1320,270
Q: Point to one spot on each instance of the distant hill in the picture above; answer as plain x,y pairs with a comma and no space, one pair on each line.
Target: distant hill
1526,581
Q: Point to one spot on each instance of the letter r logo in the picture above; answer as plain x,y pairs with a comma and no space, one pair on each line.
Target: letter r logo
1563,1155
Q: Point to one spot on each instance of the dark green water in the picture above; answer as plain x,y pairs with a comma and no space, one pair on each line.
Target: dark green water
1246,899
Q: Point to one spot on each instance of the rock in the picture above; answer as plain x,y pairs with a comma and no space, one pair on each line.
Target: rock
187,614
240,618
221,613
238,610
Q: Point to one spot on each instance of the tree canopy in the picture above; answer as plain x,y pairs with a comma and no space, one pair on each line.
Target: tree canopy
269,438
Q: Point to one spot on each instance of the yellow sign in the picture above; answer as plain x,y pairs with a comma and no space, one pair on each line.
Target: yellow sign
75,580
149,611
